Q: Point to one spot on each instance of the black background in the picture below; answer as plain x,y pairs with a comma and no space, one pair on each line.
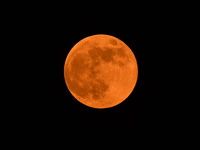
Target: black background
45,113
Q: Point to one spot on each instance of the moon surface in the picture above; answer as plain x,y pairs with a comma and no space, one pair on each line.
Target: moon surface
100,71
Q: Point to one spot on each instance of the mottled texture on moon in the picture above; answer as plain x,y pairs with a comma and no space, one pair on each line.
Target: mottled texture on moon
100,71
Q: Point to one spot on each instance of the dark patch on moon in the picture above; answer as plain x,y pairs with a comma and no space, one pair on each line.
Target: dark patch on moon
121,52
79,64
87,64
95,52
120,63
113,42
98,89
108,54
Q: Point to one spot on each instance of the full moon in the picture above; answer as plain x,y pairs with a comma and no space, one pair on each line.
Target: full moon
100,71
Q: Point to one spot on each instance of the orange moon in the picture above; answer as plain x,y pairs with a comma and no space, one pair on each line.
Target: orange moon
100,71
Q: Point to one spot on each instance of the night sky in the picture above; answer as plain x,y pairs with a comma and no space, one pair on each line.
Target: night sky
47,114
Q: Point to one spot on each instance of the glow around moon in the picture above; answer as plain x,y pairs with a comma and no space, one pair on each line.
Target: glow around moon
100,71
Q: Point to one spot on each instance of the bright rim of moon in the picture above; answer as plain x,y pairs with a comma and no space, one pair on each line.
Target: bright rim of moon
100,71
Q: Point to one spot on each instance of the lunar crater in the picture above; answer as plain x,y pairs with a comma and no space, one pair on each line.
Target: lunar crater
113,41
